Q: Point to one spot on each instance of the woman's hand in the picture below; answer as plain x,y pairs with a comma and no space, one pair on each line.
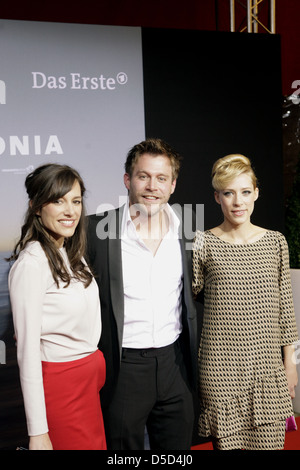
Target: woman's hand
290,368
292,378
41,442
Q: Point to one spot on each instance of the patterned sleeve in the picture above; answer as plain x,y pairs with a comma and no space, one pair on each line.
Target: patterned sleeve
287,319
198,263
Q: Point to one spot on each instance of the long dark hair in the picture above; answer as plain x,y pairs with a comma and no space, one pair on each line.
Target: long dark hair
46,184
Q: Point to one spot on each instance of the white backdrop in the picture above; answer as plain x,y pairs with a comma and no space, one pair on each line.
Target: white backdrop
69,94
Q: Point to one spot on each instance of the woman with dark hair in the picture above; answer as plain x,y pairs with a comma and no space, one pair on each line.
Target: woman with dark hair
56,313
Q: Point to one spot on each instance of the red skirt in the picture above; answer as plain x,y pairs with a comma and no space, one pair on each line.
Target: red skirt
73,406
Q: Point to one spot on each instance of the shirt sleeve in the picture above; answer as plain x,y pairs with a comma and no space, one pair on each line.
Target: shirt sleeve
287,321
198,260
27,287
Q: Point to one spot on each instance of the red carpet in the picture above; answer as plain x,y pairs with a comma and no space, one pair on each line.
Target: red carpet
292,440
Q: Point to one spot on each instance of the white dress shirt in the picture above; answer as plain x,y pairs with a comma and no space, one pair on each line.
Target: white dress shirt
152,286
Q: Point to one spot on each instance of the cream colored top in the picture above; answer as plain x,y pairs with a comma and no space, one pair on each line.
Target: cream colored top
51,324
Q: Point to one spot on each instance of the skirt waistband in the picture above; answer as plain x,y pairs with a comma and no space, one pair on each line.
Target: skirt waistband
74,362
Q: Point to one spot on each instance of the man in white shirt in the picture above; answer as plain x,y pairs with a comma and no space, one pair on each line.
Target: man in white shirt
149,338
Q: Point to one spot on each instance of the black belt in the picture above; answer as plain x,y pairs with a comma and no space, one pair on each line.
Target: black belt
146,352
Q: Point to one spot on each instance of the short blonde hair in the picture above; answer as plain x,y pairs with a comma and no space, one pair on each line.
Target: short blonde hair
229,167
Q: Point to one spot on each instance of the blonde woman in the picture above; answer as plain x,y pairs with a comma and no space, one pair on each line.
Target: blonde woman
246,369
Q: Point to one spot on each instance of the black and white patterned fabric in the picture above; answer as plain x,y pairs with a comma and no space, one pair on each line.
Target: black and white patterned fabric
248,317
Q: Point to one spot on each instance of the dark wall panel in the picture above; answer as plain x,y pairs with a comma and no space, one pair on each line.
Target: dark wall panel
209,94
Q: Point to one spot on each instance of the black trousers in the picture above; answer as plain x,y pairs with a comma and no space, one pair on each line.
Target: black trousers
152,391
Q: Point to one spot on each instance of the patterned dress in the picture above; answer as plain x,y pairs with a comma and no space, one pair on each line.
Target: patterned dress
248,316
